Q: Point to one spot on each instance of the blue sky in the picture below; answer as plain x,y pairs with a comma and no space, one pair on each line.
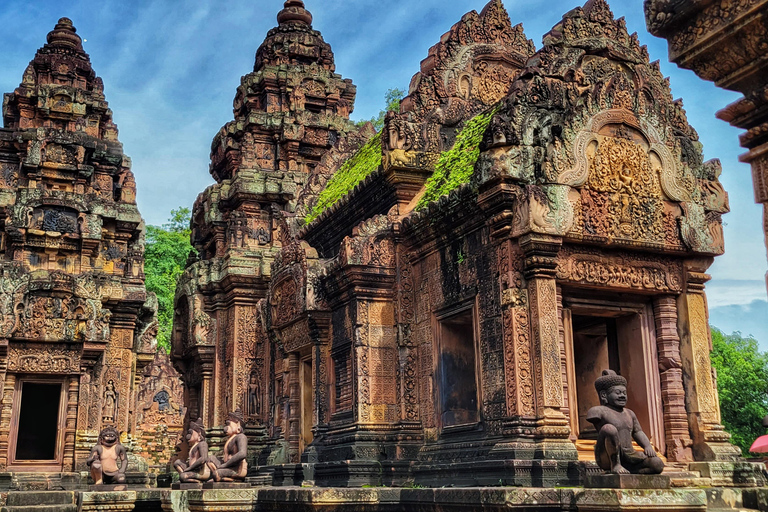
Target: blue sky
170,69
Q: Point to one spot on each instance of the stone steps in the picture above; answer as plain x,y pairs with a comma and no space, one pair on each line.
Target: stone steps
41,508
41,501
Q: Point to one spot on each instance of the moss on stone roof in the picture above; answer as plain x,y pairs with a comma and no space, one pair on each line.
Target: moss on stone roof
455,166
353,171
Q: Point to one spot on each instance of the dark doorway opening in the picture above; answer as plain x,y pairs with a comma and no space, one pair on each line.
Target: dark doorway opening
458,371
38,421
596,348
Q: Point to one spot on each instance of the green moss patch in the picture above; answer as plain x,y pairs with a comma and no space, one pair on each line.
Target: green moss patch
455,166
353,171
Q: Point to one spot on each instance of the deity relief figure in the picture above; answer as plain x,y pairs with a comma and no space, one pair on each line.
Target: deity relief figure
617,426
254,397
105,456
110,403
234,467
196,469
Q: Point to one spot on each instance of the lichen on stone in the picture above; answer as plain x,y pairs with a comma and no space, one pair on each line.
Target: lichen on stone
455,166
352,172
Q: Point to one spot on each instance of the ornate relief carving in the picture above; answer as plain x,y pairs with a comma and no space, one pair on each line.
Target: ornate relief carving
284,300
619,270
707,402
517,362
43,359
543,299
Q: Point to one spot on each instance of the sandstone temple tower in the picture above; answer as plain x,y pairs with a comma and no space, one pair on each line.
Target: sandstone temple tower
73,328
288,112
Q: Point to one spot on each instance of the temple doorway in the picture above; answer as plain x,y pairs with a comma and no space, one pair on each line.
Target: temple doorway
36,432
618,335
457,368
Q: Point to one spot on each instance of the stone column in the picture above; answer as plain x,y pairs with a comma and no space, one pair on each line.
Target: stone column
206,394
70,423
9,386
710,441
539,270
676,428
294,405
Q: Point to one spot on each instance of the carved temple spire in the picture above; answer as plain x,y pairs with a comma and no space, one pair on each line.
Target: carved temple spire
59,89
294,42
294,12
64,35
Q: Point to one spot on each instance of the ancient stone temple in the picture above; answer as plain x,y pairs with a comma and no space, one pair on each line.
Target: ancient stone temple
74,326
289,112
433,302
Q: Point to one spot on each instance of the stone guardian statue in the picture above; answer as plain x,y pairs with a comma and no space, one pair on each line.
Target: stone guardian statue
234,467
108,459
617,426
196,468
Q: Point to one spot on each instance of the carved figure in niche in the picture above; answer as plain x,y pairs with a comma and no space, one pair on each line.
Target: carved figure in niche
163,400
105,457
234,467
57,220
196,468
254,397
109,412
617,426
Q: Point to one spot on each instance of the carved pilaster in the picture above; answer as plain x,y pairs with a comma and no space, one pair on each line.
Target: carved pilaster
676,428
294,405
9,386
70,425
710,441
540,264
206,409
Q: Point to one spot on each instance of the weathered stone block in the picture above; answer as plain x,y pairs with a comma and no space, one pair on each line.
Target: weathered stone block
615,481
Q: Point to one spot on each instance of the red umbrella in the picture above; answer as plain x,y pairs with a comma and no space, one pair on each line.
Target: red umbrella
760,445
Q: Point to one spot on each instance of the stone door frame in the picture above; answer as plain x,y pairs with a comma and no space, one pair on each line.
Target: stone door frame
57,463
594,306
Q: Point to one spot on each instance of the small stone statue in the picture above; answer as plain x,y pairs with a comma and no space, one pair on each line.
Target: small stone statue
196,469
105,457
254,397
110,403
234,467
616,427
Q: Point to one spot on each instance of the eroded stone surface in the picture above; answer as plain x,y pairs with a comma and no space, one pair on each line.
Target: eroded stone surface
72,296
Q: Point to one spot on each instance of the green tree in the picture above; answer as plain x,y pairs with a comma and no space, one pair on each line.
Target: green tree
165,256
392,100
742,383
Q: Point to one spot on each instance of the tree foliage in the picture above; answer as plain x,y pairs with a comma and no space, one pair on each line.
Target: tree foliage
392,100
742,383
165,256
